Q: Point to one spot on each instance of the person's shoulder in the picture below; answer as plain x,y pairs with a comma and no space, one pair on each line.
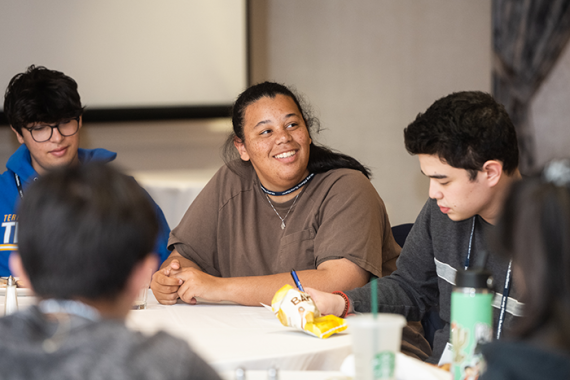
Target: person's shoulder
20,163
520,359
346,177
162,342
227,184
432,215
433,225
6,176
348,183
7,325
169,356
16,323
134,343
237,169
97,154
432,211
343,173
8,191
140,355
428,223
430,205
234,177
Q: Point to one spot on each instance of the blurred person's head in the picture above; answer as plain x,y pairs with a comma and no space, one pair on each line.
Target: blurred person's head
86,233
534,231
467,146
44,110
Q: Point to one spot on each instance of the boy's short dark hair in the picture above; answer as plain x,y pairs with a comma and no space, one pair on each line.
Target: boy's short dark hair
465,129
41,95
82,230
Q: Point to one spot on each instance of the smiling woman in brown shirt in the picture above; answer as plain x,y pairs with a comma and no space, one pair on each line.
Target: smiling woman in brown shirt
287,203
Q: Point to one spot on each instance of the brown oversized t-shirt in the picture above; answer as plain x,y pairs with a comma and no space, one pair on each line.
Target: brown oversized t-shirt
230,230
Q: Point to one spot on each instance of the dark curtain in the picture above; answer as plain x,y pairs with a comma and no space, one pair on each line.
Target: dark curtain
528,38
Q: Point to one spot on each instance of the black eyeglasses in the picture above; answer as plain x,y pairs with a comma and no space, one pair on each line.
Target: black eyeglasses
42,133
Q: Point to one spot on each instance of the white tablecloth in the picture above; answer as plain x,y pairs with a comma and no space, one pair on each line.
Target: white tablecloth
231,336
173,190
25,299
289,375
415,373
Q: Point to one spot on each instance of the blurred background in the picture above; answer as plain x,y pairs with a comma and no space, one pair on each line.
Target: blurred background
366,67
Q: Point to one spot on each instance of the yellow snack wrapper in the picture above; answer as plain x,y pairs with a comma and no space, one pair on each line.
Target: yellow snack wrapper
298,310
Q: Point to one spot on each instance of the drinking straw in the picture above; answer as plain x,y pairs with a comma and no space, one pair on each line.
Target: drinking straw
374,303
374,297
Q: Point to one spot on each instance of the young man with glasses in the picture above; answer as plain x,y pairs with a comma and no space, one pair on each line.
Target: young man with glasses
44,110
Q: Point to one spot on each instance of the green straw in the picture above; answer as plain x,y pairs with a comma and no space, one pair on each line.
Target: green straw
374,297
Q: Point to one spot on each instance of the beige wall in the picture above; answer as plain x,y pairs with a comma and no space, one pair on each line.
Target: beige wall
8,144
186,144
368,67
156,145
550,113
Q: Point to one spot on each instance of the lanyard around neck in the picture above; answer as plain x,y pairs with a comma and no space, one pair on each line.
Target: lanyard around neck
19,185
506,291
506,288
468,258
288,191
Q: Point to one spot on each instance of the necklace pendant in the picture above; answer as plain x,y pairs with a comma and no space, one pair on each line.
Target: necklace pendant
282,224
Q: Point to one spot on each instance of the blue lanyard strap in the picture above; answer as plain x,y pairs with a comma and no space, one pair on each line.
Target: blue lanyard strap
468,258
506,291
289,191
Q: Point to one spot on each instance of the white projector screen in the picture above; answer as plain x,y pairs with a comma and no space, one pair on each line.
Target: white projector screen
136,55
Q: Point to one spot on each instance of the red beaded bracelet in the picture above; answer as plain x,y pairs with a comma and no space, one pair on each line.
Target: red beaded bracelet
346,303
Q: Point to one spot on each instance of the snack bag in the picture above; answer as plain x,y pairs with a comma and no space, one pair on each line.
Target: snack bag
297,309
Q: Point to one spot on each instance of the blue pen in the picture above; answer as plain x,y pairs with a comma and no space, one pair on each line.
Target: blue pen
296,279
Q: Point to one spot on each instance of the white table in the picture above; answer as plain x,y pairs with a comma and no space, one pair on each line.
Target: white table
25,299
290,375
173,190
231,336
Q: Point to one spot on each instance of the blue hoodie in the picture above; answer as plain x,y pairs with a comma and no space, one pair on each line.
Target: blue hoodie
20,163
